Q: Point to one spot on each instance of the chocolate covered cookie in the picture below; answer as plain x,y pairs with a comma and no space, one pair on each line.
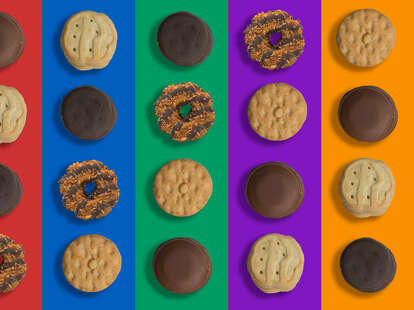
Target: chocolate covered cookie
88,113
10,190
184,39
367,113
274,190
12,40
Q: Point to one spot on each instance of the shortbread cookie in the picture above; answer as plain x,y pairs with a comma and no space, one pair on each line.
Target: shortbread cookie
274,55
182,187
365,37
12,40
12,264
277,111
89,40
13,113
367,187
10,190
91,263
368,265
275,263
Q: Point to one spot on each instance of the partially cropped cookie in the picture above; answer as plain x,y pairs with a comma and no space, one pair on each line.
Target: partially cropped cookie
277,111
12,40
365,38
10,190
89,40
275,263
91,263
367,187
182,187
13,113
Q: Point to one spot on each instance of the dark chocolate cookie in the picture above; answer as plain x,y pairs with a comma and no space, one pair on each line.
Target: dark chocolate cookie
88,113
10,190
368,265
367,113
184,39
182,265
12,40
274,190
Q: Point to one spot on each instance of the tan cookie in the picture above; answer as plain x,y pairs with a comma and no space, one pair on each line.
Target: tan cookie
89,40
275,263
367,187
365,37
182,187
13,113
277,111
91,263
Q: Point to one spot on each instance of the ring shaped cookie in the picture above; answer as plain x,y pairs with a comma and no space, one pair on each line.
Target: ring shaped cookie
288,48
12,264
89,40
97,203
198,120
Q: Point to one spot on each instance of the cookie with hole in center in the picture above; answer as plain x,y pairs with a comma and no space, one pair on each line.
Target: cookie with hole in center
182,187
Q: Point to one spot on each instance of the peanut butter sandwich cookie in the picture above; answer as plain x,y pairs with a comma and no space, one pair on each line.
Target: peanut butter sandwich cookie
89,189
172,119
365,38
12,40
275,263
182,187
91,263
10,190
12,264
277,111
89,40
367,187
274,55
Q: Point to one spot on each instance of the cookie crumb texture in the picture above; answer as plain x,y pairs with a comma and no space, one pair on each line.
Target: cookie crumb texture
285,51
91,263
198,120
12,264
100,201
365,38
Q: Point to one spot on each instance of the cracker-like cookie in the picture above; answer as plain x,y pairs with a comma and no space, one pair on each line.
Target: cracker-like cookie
277,111
13,113
91,263
89,40
275,263
182,187
365,37
367,187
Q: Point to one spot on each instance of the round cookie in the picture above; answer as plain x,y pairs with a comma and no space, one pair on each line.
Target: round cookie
274,190
10,190
182,265
275,263
91,263
184,39
277,111
89,40
368,265
13,112
285,51
88,113
77,198
367,187
192,126
12,264
365,38
182,187
12,40
367,114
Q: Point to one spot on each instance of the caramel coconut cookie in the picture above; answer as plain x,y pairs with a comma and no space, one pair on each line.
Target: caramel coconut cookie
285,51
12,264
86,204
171,119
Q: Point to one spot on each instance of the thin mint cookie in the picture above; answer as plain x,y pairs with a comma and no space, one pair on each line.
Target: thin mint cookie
368,265
10,190
365,38
12,40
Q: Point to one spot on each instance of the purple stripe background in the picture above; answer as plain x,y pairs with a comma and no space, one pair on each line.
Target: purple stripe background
247,149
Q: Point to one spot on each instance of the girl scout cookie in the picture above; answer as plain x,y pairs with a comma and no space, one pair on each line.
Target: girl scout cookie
89,40
275,263
12,40
10,190
367,187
